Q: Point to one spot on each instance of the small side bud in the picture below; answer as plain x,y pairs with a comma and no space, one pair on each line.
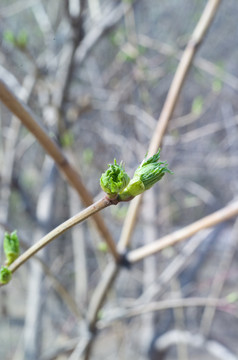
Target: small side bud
114,180
11,247
146,175
5,275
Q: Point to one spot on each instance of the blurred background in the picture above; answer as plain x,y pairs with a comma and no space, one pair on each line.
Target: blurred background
96,74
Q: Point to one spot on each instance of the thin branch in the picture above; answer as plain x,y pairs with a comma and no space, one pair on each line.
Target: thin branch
29,120
83,215
212,347
56,284
108,21
217,217
219,280
169,105
200,63
60,289
97,301
120,314
100,293
175,266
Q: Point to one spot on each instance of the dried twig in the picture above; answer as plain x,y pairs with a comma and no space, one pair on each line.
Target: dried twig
217,217
120,314
219,280
213,347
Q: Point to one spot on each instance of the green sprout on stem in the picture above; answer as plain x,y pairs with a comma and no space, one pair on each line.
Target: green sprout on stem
11,247
146,175
114,180
19,40
5,275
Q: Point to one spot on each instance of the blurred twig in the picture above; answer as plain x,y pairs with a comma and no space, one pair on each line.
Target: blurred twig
108,20
79,253
201,63
219,280
223,214
120,313
213,347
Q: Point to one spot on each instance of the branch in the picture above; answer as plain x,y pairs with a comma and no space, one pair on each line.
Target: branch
224,214
108,20
83,215
29,120
122,314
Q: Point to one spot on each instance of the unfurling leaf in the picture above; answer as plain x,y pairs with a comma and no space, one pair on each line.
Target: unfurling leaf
11,247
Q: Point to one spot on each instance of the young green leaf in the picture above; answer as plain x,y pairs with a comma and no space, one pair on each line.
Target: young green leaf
5,275
11,247
114,180
146,175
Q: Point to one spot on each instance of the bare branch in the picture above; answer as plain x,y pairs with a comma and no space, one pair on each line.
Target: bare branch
83,215
217,217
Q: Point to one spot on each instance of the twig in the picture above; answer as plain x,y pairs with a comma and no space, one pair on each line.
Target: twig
83,215
79,253
213,347
203,64
218,281
223,214
169,105
97,301
179,320
120,314
29,120
175,267
108,20
100,293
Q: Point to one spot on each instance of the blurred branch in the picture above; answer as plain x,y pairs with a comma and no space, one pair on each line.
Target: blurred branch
29,120
168,108
199,62
79,252
120,314
219,280
96,303
67,60
108,20
176,266
64,348
223,214
58,287
213,347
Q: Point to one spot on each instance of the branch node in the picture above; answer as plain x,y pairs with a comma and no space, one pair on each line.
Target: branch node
124,261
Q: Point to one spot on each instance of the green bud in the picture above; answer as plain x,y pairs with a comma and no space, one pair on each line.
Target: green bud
146,175
22,39
9,36
114,180
102,246
11,247
5,275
